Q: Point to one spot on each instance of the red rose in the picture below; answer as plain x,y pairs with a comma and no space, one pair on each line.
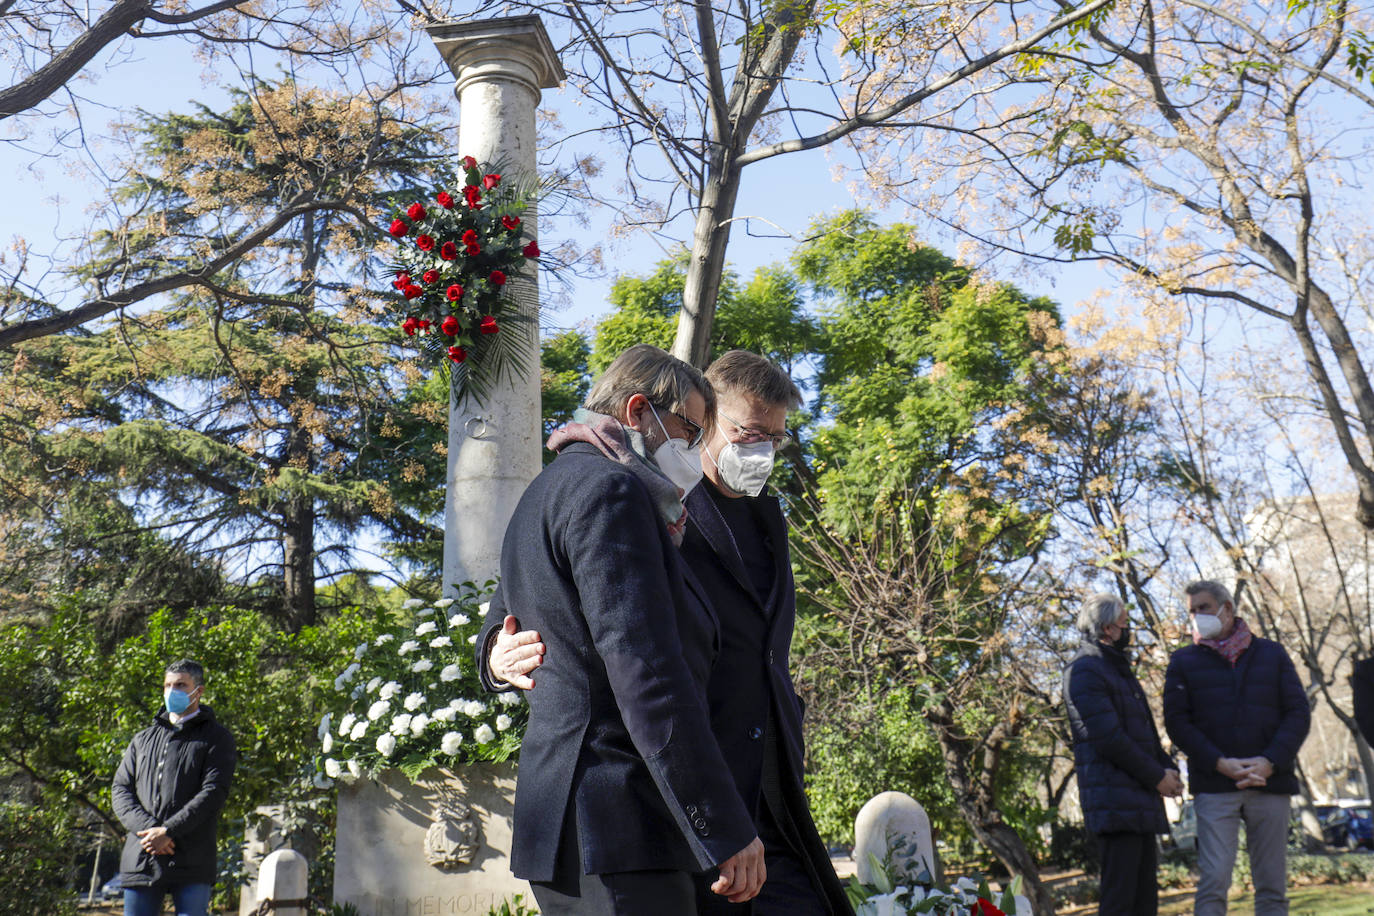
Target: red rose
490,181
984,908
424,324
488,325
411,291
497,278
399,229
457,354
424,242
454,293
401,281
430,276
469,237
448,251
444,199
531,250
511,222
473,196
450,326
469,162
409,325
473,251
416,211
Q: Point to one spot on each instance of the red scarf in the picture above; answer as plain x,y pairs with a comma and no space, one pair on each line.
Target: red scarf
1232,646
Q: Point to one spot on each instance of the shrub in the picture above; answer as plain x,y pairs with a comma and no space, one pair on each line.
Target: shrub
36,861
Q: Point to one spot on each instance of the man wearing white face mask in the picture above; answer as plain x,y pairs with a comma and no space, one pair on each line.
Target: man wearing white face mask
1233,703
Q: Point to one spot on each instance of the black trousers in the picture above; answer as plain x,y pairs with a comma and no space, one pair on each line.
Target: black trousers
1130,885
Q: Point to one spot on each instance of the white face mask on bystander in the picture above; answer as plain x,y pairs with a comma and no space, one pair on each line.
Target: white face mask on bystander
1207,626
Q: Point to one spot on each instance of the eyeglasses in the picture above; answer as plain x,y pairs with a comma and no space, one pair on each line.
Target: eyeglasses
698,433
779,440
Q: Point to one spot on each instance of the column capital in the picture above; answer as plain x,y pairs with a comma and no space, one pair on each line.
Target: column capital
510,47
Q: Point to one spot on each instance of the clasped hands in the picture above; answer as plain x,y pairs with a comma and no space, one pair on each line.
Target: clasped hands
1247,772
156,841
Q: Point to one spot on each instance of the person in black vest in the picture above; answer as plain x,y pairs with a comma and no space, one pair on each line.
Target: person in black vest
735,545
168,791
1234,704
1122,770
622,793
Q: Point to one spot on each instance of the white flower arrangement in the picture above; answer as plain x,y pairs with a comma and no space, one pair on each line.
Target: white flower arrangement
406,698
966,897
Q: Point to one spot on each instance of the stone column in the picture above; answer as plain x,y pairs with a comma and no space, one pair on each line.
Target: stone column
493,446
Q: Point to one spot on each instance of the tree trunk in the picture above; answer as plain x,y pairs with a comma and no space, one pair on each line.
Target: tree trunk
707,265
298,561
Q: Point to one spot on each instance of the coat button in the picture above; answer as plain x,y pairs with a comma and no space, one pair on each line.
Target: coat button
755,733
699,823
770,656
691,809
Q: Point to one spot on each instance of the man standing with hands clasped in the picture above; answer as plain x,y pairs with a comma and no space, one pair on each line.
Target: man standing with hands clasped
1233,703
1123,773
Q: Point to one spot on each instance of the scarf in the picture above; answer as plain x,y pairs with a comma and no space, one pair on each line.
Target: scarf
625,446
1232,646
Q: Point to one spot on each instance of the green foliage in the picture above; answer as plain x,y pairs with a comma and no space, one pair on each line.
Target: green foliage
36,861
565,380
513,907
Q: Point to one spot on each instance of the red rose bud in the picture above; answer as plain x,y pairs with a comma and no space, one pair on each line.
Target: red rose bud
531,250
430,276
511,222
416,211
409,325
454,293
490,181
424,242
450,326
457,354
401,281
497,278
411,291
444,199
448,251
399,229
488,325
473,196
469,162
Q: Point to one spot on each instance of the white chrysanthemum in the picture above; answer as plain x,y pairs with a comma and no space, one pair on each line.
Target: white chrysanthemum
484,607
502,722
386,745
389,690
378,709
356,692
407,647
383,639
510,698
373,684
450,743
324,725
401,724
474,708
443,603
327,744
427,612
360,650
353,769
332,768
412,603
440,642
347,724
457,703
422,666
459,620
450,673
484,734
359,730
445,714
426,628
472,640
419,724
414,701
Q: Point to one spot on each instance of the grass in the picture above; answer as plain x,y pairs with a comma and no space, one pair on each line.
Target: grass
1323,899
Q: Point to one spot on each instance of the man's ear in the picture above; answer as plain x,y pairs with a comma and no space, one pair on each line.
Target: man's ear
635,405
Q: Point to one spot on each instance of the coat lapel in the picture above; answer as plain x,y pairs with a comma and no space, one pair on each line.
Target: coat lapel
702,512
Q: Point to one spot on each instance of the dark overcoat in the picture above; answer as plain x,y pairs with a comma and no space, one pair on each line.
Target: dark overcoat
1256,708
618,732
1117,756
177,778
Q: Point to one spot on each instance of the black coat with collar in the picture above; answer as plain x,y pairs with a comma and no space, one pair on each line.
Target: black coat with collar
618,727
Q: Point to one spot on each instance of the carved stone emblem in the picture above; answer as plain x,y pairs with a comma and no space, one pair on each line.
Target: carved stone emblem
452,838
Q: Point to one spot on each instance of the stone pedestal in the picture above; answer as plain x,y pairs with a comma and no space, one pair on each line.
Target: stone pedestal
437,847
893,828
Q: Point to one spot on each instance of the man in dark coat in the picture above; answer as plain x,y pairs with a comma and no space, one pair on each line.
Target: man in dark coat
735,547
1123,772
622,793
168,792
1233,703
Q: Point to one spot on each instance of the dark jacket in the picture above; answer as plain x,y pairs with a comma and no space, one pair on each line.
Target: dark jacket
1362,696
618,730
1116,751
178,778
1255,709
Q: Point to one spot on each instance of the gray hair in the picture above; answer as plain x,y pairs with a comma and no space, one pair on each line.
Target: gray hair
1220,593
661,377
1098,612
752,374
188,667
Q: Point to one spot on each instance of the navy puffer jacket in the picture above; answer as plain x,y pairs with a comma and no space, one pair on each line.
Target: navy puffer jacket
1116,750
1256,709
